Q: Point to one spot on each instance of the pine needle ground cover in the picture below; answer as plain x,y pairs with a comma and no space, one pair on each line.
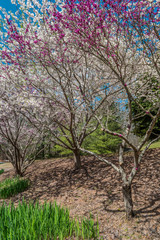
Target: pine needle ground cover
10,187
43,222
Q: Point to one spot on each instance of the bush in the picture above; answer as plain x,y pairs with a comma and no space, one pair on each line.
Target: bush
141,123
1,171
100,142
43,222
11,187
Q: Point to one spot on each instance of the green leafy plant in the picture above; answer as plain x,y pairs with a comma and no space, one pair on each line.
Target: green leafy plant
142,123
1,171
43,222
102,143
11,187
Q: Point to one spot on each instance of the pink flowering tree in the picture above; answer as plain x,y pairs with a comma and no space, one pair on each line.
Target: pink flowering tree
107,39
124,37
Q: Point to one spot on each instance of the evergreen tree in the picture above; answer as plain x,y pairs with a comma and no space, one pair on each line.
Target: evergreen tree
142,123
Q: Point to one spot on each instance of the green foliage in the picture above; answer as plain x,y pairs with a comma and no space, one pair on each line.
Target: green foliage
101,142
1,171
58,151
61,152
153,145
98,142
43,222
50,150
10,187
142,123
43,149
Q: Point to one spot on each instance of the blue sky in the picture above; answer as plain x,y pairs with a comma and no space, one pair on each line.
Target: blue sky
8,5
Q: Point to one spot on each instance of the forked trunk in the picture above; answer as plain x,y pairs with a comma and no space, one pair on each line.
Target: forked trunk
18,169
18,172
127,195
77,159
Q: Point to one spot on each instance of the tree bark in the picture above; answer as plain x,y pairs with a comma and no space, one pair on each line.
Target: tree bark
18,172
77,159
127,195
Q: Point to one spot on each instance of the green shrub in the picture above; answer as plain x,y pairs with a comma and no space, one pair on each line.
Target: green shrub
141,123
43,222
11,187
1,171
100,142
61,152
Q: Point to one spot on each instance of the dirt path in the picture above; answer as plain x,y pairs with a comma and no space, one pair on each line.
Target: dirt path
6,166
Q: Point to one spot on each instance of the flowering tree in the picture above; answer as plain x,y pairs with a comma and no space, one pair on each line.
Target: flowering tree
102,39
59,82
19,139
124,37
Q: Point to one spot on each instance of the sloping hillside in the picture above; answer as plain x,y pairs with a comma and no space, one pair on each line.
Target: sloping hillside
96,189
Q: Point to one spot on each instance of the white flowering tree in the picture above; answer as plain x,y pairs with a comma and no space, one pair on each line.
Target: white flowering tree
53,84
19,140
88,56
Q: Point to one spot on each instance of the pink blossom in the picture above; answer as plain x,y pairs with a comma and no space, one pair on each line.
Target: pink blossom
77,30
62,36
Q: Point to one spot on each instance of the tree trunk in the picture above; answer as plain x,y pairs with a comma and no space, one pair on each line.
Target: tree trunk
77,159
18,172
127,195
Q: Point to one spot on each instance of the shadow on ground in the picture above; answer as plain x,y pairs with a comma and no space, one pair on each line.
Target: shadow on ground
96,188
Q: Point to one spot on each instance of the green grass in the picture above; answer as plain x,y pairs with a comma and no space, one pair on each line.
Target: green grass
43,222
154,145
10,187
1,171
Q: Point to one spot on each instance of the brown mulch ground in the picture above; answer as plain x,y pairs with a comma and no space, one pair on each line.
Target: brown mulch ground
99,193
